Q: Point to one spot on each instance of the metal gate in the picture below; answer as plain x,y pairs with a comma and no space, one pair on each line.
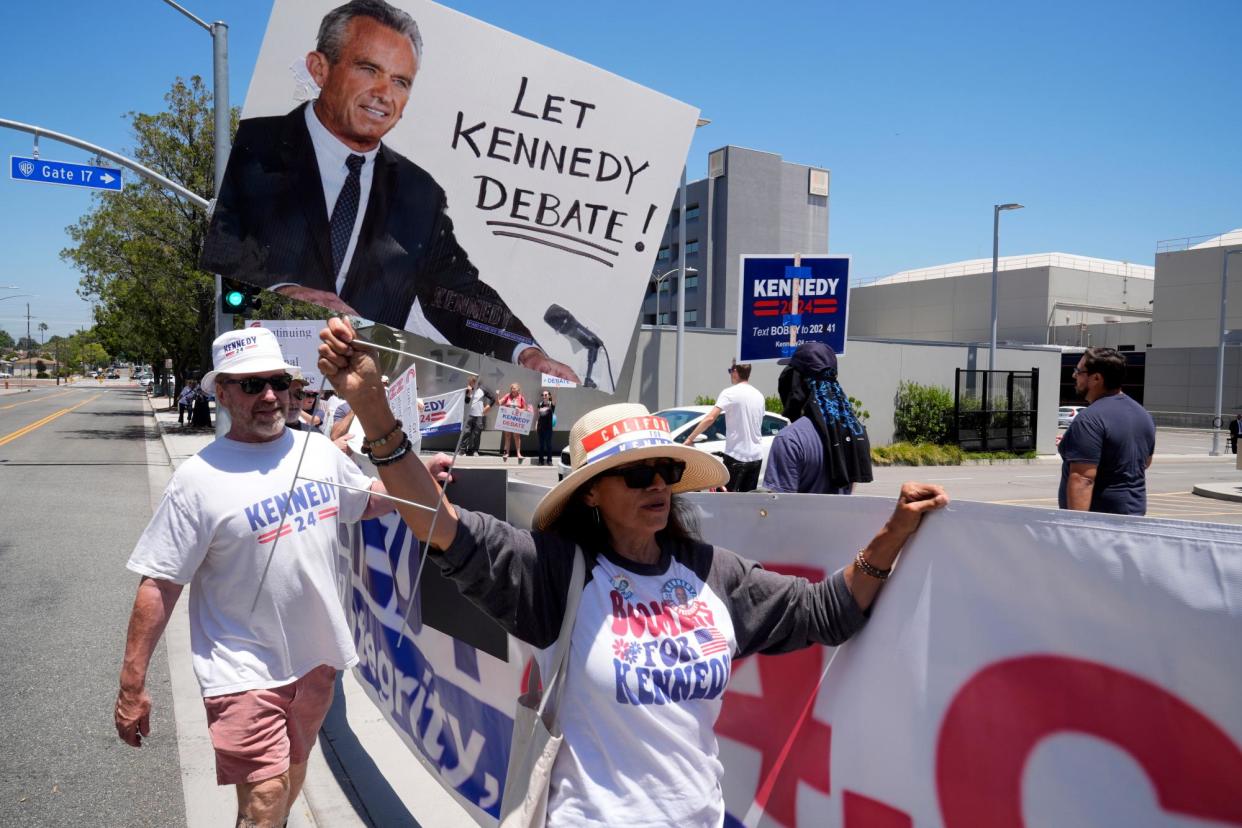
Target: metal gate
995,410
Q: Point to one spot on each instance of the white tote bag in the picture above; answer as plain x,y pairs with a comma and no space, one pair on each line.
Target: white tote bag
536,735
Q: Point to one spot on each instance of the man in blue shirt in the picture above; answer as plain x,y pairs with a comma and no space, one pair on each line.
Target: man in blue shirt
1108,446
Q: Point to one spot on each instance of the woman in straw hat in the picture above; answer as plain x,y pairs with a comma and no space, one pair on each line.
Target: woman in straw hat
662,615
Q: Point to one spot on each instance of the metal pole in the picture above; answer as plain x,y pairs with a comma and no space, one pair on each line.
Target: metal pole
1220,353
995,258
192,197
220,65
679,364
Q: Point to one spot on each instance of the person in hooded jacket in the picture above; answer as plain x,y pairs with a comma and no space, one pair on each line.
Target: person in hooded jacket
825,449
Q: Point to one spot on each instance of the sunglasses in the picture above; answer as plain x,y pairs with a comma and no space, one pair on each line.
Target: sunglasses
730,369
255,385
641,476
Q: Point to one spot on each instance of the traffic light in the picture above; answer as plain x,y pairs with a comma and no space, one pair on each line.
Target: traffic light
238,297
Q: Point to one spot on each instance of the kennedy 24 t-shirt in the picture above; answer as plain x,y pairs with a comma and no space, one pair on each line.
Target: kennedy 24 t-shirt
214,529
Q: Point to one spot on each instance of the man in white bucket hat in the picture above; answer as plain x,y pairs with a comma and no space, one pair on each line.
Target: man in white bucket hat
266,665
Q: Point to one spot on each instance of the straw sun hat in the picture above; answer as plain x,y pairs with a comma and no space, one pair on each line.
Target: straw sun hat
618,435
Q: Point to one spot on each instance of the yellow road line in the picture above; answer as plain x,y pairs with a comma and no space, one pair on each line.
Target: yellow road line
35,400
8,438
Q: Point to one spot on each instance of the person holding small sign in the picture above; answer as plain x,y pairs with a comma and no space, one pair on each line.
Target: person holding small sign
662,616
514,399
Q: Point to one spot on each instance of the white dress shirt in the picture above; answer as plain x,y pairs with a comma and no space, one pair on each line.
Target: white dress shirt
330,155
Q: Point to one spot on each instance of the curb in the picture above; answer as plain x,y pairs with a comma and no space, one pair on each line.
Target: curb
1218,491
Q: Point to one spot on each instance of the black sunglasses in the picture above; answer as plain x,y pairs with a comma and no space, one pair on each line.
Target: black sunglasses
255,385
640,476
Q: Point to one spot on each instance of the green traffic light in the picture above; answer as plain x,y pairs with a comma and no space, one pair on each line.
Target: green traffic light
234,298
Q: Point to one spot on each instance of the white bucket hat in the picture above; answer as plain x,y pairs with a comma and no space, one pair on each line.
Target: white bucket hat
248,351
617,435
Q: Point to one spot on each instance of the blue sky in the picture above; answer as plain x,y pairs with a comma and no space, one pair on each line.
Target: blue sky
1117,124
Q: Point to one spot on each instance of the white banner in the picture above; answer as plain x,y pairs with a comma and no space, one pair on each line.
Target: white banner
559,179
299,342
516,420
443,413
1023,667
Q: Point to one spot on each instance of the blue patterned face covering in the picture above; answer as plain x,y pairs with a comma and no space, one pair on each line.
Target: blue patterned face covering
835,407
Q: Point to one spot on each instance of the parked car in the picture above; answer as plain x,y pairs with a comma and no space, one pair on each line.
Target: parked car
683,419
113,375
1067,413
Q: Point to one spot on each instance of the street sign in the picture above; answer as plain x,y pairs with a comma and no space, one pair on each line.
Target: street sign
766,306
62,172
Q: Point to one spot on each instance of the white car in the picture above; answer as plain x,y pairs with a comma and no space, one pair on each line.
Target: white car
1067,413
683,419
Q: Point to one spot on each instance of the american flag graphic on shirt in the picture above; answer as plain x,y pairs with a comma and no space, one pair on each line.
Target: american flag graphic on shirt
711,641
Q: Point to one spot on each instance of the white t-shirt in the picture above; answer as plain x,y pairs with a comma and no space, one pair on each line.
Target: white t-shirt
650,657
742,404
214,529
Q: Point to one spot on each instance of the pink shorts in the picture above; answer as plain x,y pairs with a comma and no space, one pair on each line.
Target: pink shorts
257,734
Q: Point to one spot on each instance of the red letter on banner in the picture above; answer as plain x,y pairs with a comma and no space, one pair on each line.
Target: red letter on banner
1002,713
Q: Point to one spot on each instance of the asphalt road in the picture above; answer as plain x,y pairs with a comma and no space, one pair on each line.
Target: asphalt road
73,472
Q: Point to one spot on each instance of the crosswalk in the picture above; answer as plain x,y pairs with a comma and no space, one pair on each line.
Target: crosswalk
1173,505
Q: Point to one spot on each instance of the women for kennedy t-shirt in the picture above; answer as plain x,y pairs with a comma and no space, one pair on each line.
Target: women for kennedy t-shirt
651,654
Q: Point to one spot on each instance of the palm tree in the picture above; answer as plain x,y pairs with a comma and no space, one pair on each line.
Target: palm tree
42,331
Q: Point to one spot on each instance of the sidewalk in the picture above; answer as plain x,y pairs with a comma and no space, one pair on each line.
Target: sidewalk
360,773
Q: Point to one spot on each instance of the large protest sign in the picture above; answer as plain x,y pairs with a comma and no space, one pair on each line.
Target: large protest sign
558,179
766,308
1022,667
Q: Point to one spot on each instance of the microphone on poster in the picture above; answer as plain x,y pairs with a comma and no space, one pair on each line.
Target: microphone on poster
564,323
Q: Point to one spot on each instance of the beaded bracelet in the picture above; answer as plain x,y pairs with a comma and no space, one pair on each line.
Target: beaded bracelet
861,564
402,450
383,441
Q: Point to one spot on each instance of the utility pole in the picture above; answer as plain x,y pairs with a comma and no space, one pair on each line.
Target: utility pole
28,340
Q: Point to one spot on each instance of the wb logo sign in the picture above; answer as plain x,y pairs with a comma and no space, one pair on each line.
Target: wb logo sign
26,168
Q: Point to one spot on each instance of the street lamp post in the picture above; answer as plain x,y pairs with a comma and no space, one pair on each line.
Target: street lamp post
220,88
1220,353
996,211
679,361
659,283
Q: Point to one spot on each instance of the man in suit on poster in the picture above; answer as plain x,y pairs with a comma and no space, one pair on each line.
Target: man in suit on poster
385,249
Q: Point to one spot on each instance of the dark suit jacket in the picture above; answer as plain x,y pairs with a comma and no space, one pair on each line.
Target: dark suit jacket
270,226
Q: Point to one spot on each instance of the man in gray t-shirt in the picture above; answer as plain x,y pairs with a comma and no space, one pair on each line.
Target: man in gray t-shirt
1109,444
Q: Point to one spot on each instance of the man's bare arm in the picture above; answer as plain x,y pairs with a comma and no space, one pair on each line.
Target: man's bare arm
704,424
152,608
1079,485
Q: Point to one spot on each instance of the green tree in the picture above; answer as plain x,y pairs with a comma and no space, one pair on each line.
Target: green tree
7,343
138,249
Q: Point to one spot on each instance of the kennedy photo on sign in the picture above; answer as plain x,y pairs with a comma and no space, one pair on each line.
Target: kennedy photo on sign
418,168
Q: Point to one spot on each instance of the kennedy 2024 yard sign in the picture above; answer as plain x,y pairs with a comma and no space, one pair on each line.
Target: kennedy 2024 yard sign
768,311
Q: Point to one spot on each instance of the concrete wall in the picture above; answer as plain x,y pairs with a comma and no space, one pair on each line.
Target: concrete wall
1184,380
959,308
870,372
1188,297
1104,335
